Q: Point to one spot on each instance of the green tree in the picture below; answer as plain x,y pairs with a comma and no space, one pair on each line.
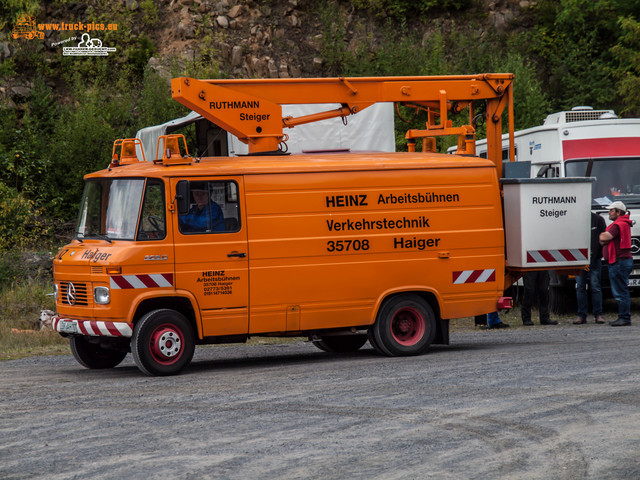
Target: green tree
626,69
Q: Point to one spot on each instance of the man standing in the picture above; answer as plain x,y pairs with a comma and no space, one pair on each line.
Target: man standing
536,285
617,253
592,276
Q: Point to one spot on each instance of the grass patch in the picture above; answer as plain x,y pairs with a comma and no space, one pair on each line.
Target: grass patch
20,307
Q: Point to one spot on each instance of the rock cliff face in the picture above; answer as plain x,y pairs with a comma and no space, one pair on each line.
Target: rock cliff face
277,39
284,38
245,38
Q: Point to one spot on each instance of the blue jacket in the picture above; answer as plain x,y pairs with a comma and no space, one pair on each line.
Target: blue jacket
205,220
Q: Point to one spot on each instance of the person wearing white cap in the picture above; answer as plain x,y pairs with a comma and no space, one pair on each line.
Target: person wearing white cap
616,242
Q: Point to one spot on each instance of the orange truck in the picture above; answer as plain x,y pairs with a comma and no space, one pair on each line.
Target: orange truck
339,247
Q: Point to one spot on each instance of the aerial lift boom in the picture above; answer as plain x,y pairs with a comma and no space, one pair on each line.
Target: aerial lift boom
251,109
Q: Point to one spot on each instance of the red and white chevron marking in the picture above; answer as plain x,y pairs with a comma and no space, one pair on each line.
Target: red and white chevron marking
474,276
569,255
93,328
156,280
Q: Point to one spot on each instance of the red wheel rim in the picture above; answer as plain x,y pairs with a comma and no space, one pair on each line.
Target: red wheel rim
407,326
166,344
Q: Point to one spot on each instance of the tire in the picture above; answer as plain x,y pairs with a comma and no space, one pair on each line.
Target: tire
163,343
376,346
406,325
92,355
341,343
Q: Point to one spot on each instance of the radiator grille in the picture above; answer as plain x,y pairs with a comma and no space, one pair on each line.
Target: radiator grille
80,289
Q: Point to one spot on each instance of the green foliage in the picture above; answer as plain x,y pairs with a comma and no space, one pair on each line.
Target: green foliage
139,54
21,224
150,15
571,44
408,8
10,10
626,69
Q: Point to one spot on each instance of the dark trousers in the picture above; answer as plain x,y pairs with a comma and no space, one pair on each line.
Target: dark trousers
536,285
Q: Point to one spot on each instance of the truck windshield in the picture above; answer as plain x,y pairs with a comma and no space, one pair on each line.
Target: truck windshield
616,179
110,209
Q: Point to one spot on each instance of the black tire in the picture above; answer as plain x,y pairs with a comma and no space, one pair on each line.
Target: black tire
341,343
405,325
376,346
163,342
92,355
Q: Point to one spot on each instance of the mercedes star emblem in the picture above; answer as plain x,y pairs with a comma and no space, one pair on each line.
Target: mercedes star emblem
71,294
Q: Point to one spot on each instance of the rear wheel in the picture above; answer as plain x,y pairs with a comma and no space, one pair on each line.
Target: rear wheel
163,342
376,346
405,325
92,355
341,343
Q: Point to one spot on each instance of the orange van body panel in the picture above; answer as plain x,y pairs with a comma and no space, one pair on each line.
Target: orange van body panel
327,238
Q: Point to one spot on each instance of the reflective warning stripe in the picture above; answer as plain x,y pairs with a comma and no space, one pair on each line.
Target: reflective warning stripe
474,276
94,328
568,255
155,280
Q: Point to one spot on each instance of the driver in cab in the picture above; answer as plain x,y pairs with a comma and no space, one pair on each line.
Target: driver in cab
204,215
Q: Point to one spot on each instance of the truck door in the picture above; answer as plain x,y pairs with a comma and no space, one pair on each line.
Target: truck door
211,251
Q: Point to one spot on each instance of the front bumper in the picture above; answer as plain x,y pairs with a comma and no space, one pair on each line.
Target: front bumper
92,328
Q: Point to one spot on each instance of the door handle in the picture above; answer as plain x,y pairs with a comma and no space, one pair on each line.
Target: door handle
237,254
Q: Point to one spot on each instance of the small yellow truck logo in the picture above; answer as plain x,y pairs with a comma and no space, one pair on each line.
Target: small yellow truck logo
25,27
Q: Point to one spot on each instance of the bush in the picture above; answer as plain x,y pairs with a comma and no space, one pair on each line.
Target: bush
21,224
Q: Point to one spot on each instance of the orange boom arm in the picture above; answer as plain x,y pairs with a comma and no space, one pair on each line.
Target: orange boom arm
251,109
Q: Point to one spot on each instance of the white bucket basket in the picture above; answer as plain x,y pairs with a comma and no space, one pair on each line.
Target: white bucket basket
547,222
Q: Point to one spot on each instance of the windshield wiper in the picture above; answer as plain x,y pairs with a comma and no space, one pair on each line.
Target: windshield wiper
103,237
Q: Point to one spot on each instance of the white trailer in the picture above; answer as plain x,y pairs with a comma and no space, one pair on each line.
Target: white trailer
585,142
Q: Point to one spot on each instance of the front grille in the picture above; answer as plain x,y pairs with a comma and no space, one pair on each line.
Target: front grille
80,289
96,270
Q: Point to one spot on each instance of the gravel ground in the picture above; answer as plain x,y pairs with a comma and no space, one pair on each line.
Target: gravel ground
553,402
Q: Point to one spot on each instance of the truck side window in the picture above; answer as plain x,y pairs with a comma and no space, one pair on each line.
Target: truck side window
153,219
213,208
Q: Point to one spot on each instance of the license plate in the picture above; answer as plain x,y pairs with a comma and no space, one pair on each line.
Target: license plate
634,282
68,327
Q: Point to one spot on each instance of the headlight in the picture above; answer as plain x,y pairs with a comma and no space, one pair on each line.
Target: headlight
55,291
101,295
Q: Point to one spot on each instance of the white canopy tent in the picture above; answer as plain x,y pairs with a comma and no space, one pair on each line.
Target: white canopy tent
369,130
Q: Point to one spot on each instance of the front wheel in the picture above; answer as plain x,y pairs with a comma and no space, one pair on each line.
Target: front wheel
341,343
406,325
92,355
163,342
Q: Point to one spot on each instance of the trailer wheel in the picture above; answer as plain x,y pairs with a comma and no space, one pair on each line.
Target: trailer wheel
341,344
91,355
405,326
163,342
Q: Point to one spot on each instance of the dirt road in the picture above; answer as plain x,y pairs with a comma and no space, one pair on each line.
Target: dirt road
529,403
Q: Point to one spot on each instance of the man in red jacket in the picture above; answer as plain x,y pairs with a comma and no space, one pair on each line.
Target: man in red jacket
616,242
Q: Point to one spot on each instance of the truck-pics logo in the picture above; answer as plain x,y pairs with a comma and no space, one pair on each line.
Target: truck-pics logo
91,47
25,27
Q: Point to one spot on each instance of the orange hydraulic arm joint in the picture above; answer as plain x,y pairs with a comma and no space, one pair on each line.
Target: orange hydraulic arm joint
251,109
253,120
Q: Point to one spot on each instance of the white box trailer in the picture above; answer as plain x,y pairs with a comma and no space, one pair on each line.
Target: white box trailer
585,142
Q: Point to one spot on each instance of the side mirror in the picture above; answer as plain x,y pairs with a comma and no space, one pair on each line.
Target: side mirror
182,197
